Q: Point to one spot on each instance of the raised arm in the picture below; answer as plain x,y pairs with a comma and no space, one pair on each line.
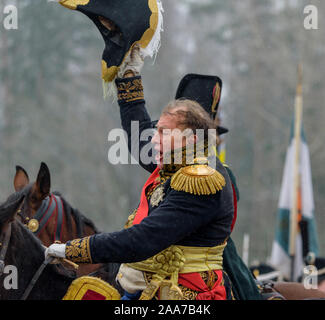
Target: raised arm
134,116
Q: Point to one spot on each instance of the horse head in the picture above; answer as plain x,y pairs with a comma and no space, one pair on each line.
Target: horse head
36,192
48,215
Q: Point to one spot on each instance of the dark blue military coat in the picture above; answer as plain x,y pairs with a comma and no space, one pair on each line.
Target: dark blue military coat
179,218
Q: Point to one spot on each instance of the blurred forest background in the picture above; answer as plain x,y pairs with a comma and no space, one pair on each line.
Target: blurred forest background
52,110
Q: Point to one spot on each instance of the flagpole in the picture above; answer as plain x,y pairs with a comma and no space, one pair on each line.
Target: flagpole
246,249
297,142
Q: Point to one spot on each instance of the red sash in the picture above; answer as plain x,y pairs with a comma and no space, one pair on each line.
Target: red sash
194,282
143,208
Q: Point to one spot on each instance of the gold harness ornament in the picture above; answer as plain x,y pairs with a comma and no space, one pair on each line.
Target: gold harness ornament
33,225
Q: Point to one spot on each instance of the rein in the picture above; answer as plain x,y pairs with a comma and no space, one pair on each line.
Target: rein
38,273
3,252
43,213
36,277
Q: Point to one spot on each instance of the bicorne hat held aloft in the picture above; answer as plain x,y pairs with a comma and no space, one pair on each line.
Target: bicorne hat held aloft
122,24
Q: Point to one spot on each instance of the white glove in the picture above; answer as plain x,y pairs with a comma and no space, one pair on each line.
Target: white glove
133,62
55,250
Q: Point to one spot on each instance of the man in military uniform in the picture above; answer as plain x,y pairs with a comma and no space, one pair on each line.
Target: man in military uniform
207,91
186,211
172,247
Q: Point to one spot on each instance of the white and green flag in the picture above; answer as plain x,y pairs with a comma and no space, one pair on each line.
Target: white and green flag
280,257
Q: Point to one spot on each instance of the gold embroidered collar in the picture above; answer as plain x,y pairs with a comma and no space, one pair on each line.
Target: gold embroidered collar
182,157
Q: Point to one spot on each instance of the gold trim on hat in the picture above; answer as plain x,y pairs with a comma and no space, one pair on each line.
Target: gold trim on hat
216,98
109,74
149,33
72,4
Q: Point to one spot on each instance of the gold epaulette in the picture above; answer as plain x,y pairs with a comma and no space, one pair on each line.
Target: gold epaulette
198,179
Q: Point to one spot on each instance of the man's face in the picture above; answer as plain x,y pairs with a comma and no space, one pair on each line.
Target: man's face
169,136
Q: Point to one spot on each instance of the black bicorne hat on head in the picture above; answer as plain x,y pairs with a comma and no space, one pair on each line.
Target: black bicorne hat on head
122,24
206,90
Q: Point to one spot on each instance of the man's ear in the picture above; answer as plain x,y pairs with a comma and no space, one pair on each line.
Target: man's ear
43,181
21,179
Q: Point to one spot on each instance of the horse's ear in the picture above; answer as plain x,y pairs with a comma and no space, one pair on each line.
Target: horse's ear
43,181
21,179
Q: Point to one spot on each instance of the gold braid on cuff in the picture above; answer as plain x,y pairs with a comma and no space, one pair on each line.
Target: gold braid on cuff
130,90
78,250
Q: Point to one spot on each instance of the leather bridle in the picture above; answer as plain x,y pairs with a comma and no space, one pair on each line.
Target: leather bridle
5,239
51,207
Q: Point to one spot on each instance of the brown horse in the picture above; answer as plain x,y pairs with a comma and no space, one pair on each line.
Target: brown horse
49,215
25,252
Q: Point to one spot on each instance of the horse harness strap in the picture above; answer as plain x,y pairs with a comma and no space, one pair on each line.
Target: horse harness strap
4,241
50,206
36,277
3,252
4,246
59,219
